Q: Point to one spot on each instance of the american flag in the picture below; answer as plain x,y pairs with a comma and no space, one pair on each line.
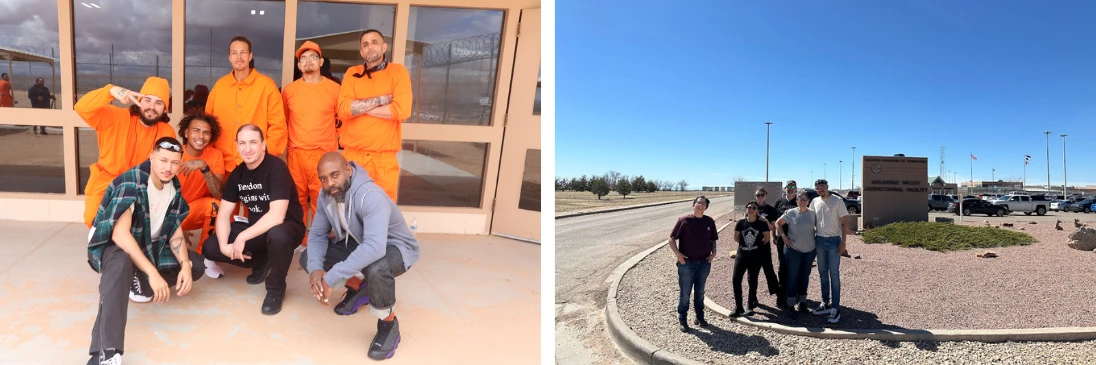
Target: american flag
972,157
1027,159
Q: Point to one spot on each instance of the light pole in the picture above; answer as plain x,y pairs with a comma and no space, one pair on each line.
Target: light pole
812,176
993,175
768,126
824,171
1047,133
1064,191
852,179
840,173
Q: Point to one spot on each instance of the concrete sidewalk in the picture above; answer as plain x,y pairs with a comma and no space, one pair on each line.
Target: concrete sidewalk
468,300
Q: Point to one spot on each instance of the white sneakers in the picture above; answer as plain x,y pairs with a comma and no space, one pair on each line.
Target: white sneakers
213,270
138,293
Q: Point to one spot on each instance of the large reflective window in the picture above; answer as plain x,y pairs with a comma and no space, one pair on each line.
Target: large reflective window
536,99
29,40
441,173
121,42
211,25
530,182
31,163
336,28
452,56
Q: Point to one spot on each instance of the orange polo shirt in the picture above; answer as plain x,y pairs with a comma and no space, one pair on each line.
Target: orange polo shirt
123,140
366,132
310,114
254,100
6,99
193,185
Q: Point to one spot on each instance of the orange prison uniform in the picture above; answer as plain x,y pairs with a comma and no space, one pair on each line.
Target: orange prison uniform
203,207
254,100
6,100
310,115
123,143
369,141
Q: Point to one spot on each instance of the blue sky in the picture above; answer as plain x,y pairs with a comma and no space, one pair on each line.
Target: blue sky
682,91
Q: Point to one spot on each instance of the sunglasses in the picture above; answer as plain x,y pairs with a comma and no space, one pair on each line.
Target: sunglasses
751,208
760,195
790,187
170,146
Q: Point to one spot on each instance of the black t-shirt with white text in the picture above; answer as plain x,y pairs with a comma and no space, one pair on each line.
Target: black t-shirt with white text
750,235
256,188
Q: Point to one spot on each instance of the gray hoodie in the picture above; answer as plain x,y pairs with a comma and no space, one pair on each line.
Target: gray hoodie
374,221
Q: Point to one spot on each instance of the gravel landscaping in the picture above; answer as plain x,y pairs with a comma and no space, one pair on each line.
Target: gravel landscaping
1045,284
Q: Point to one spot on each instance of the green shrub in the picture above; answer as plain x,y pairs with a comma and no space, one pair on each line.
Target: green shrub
945,237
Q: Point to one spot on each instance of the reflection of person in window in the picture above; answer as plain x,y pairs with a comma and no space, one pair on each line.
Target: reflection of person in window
40,98
245,96
5,91
310,106
374,101
125,135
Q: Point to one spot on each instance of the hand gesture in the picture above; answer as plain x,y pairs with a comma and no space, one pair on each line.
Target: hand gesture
680,258
185,282
161,292
192,165
319,287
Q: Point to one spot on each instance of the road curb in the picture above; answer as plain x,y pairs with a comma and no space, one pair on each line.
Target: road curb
630,207
644,352
637,348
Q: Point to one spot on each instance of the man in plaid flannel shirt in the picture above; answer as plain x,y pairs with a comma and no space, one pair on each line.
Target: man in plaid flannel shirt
129,240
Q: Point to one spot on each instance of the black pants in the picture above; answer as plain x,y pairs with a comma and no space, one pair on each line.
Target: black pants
380,276
781,270
275,246
117,270
752,262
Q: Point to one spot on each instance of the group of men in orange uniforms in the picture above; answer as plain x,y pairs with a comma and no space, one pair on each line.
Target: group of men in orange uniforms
373,101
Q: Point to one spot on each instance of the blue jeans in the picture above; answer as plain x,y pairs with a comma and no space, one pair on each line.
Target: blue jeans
829,268
799,274
691,277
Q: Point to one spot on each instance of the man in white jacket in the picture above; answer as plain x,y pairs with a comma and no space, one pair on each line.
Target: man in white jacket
371,239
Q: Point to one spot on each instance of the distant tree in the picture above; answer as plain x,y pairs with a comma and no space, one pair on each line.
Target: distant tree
624,187
583,183
599,187
652,186
611,178
683,185
639,184
573,184
665,185
561,184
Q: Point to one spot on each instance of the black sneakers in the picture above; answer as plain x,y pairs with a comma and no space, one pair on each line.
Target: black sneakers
259,269
106,357
701,322
140,290
352,300
387,339
273,303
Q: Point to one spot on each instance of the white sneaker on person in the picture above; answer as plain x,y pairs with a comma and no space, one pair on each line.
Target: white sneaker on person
213,270
823,308
835,316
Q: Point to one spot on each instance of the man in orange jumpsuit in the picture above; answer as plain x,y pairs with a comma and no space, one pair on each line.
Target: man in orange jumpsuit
374,100
5,91
245,96
125,135
310,105
201,179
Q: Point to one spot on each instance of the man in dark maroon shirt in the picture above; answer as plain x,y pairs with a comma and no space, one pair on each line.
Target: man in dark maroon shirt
693,241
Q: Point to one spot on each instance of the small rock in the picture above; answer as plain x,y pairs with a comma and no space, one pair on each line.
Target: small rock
1058,225
734,253
1033,222
1006,224
1083,239
1077,223
1022,229
987,254
856,257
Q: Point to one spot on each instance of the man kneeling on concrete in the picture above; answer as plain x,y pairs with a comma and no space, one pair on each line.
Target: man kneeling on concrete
371,239
141,208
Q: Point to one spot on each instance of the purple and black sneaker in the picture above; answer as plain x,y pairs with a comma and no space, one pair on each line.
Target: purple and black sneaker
387,339
352,300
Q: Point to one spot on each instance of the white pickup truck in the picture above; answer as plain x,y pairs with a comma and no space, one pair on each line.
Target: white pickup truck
1024,203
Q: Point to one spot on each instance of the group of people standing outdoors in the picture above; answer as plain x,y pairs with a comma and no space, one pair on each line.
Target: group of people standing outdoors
273,153
801,229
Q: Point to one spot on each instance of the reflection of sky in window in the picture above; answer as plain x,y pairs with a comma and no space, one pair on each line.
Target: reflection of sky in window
223,19
318,18
30,26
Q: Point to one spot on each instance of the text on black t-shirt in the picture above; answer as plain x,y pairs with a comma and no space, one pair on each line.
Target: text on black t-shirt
256,188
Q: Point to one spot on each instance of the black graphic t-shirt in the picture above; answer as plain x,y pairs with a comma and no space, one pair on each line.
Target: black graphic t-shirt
750,234
256,188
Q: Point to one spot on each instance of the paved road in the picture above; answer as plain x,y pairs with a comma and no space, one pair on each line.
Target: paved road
588,248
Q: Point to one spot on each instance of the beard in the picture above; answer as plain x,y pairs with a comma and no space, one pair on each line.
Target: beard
375,58
340,197
150,122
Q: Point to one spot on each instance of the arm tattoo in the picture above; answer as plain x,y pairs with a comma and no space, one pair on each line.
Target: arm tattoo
177,246
361,106
216,187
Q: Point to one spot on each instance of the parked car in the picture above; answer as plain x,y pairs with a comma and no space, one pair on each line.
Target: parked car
1056,205
1024,203
1065,205
977,206
852,205
939,202
853,194
1084,206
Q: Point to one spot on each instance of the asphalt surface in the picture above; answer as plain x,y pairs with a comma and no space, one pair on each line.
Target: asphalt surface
588,248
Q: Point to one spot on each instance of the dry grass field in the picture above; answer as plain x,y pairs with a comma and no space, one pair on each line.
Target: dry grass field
571,201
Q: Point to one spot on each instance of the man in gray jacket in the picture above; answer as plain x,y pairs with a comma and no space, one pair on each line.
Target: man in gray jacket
371,239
